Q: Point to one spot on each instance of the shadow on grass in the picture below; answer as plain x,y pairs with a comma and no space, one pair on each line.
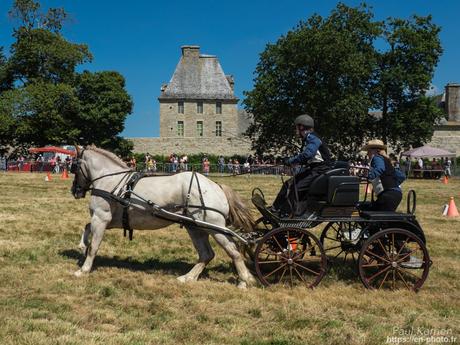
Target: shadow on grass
176,267
340,270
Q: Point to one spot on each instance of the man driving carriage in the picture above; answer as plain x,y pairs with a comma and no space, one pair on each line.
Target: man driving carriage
313,160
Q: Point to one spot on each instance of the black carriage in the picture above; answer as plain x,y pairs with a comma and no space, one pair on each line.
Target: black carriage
388,248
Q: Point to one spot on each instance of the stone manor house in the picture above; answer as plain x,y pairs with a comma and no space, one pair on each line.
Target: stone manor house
199,114
198,111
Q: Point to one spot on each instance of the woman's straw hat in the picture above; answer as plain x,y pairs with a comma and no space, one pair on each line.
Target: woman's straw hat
374,144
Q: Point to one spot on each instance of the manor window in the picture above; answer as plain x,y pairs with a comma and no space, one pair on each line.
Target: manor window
218,128
219,108
199,128
180,107
199,107
180,128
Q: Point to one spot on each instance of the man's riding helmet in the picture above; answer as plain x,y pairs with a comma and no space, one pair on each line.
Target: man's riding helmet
305,120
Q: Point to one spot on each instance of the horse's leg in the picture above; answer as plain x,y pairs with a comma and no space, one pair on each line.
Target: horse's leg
200,239
246,278
98,225
84,242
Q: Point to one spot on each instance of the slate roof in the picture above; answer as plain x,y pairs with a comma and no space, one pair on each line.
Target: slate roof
198,77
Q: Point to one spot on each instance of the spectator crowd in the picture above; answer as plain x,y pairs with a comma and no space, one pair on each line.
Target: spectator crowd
56,163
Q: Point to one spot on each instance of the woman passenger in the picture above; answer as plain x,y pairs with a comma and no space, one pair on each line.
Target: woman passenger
384,177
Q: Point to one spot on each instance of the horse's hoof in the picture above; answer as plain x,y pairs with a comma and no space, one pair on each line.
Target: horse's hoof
184,279
242,285
78,273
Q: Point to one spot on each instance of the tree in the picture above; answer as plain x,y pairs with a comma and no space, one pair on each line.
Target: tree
104,105
404,74
330,68
29,14
42,113
39,55
6,79
7,122
322,68
51,103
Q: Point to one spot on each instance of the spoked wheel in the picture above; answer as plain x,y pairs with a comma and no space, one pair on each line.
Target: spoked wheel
290,256
394,259
340,240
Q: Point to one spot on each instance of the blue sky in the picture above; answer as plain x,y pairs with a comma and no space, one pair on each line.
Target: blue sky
141,39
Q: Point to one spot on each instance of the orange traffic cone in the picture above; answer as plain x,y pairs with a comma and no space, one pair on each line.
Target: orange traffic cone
293,244
64,175
445,180
452,212
48,176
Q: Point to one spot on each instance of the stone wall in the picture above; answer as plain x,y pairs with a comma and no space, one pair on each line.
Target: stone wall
218,146
447,138
169,116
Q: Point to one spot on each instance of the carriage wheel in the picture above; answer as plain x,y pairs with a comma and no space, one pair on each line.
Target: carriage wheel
336,244
290,256
394,259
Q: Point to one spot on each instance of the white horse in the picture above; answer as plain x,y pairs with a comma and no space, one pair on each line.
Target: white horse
102,170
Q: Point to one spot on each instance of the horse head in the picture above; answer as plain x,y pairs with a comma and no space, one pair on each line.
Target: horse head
82,181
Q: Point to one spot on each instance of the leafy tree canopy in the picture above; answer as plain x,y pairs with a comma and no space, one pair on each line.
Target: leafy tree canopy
44,100
331,69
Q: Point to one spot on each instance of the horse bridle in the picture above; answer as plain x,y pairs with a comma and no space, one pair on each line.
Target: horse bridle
76,168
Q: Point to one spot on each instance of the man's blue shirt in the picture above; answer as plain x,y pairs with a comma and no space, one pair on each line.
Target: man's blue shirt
310,148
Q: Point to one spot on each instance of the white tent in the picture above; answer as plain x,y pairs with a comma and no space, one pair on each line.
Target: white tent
428,151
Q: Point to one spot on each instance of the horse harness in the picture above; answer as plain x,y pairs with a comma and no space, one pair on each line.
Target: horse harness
126,189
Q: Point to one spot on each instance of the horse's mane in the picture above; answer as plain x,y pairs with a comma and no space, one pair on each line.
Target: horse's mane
107,154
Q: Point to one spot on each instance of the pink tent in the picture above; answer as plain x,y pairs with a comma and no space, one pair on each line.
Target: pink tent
428,151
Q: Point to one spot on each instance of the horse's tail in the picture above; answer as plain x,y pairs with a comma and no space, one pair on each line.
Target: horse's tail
239,214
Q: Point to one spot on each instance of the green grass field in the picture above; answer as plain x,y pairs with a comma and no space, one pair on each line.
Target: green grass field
132,296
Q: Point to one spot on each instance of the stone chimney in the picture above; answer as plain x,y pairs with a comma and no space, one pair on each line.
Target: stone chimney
453,101
191,51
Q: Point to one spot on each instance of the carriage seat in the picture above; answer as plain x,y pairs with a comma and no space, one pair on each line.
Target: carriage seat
320,184
336,188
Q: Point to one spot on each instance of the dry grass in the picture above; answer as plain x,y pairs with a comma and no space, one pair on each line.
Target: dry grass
132,296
